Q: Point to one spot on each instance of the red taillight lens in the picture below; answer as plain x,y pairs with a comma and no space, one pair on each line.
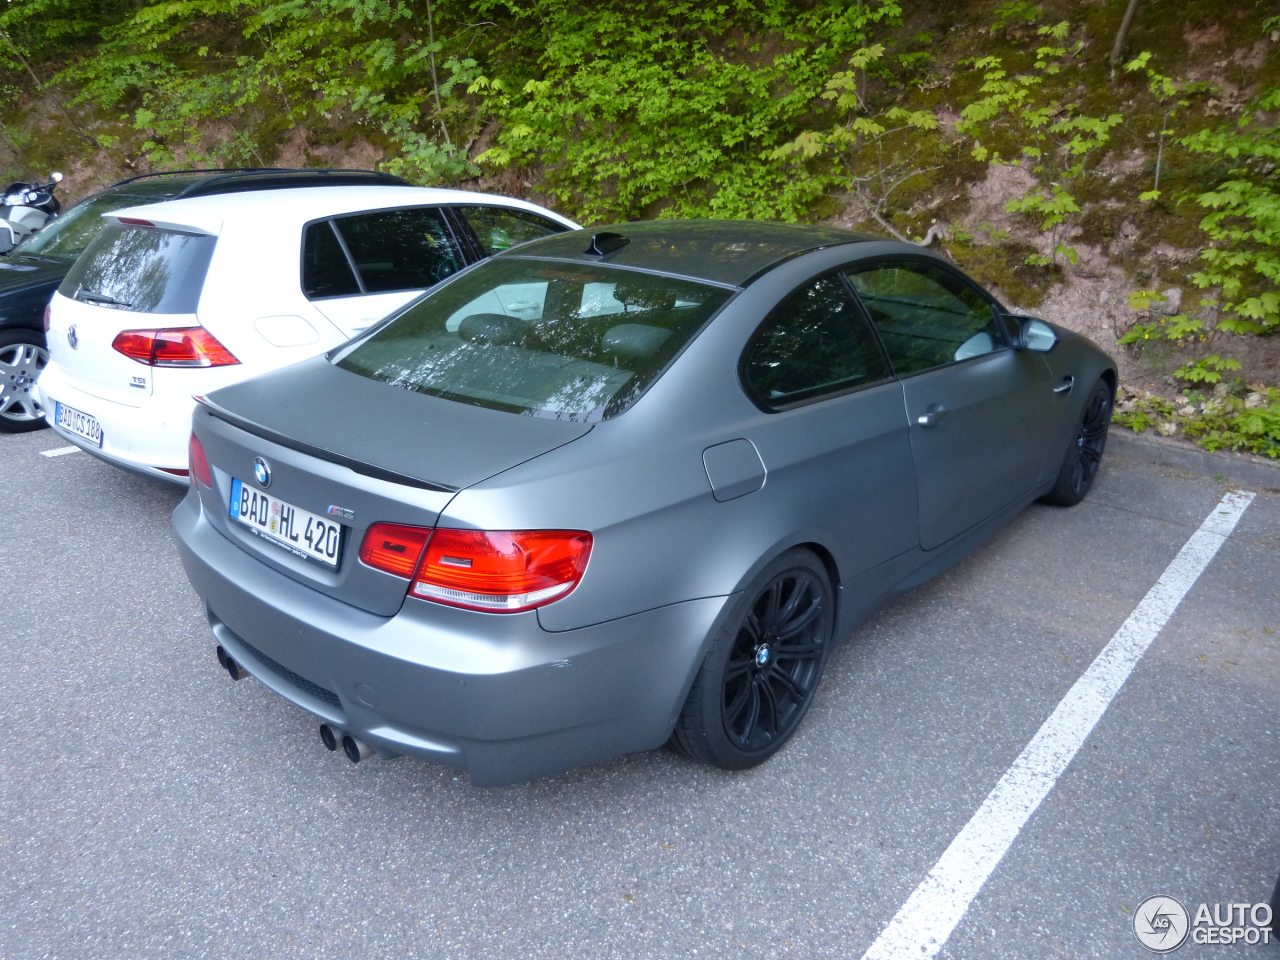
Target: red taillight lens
173,347
199,462
502,571
394,548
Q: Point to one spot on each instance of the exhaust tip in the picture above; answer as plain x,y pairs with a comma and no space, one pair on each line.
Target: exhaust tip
235,671
222,657
330,737
355,749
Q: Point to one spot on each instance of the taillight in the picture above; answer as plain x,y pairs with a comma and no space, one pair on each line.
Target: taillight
501,571
394,548
173,347
48,317
199,462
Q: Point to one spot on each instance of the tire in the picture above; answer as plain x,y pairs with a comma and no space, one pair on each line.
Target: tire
1084,455
22,357
760,675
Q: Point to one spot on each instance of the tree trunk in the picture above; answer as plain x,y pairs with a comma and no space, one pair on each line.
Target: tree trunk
1122,37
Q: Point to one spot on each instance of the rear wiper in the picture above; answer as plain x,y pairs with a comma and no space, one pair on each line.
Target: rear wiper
94,297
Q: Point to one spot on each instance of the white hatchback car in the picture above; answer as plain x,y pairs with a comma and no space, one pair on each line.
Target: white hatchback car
176,299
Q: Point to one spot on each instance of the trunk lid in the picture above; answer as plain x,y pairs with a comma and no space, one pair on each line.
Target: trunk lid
356,452
80,336
441,442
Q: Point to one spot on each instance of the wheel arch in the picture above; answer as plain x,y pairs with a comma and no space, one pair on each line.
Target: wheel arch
824,556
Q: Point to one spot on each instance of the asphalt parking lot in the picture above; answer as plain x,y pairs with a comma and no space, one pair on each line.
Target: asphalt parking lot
149,807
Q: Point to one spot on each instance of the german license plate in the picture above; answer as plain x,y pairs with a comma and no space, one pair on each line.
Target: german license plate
81,424
302,533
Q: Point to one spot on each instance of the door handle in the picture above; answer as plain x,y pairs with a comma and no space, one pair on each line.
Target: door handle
1065,386
933,415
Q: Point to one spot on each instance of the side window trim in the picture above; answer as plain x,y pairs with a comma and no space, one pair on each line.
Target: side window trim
516,213
346,252
744,382
468,242
443,214
997,310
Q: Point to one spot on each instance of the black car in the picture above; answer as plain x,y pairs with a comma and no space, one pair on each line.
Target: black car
31,273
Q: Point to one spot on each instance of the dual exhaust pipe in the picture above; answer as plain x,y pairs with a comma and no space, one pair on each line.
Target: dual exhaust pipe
332,738
355,748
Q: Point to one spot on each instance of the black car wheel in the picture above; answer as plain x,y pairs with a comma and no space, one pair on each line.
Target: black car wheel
1084,455
758,679
22,357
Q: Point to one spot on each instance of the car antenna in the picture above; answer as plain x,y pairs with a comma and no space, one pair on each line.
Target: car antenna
605,243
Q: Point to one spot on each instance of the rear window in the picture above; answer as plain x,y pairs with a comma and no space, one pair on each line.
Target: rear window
67,236
566,341
142,269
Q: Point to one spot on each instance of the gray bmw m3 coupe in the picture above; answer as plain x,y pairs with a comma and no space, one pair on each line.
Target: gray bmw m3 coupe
610,489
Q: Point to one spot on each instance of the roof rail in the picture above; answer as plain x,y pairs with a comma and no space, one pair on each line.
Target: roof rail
223,177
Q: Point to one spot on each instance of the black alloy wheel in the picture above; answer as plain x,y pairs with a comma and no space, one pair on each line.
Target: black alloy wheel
1084,455
760,676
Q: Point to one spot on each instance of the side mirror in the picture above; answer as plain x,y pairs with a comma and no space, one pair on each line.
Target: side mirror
1035,335
56,177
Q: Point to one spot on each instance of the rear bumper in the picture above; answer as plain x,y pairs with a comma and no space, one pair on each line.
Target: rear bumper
146,438
492,694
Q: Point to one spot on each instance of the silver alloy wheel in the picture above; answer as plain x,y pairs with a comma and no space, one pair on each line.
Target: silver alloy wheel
20,364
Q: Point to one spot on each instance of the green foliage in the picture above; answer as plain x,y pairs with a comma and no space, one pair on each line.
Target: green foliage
1236,423
35,30
1246,419
1207,369
1243,221
1052,139
1171,97
871,155
1139,412
263,68
680,105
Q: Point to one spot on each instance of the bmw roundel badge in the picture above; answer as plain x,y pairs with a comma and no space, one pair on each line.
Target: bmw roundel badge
262,472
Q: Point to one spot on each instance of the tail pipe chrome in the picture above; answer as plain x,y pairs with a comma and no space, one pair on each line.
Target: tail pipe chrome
331,737
354,748
228,663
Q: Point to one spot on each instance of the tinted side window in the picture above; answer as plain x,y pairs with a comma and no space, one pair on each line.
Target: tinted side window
499,228
142,269
400,249
815,343
325,270
925,315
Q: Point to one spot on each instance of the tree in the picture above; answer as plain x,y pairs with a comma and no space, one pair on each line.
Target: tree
1122,37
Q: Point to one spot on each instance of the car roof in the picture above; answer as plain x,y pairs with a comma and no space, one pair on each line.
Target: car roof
296,206
732,252
182,183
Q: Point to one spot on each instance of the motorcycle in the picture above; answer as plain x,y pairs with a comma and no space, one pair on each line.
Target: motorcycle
25,208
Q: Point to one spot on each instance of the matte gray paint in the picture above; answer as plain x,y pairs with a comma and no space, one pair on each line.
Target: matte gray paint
997,404
734,469
505,703
842,475
411,433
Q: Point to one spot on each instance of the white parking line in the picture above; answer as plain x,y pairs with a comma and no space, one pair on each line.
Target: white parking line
59,451
931,913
